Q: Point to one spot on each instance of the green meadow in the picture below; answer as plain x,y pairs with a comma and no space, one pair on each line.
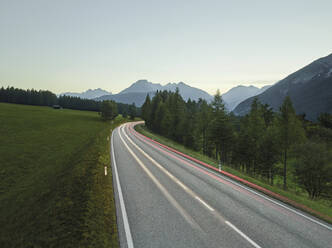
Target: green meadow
53,190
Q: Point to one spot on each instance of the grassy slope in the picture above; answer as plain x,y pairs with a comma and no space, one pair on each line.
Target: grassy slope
53,192
321,206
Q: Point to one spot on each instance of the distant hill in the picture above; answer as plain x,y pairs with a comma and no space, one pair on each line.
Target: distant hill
128,98
310,89
89,94
137,92
240,93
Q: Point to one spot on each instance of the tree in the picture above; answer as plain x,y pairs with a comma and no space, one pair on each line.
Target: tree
177,109
290,132
269,153
154,105
242,152
160,112
313,168
108,110
268,114
203,118
166,120
132,111
31,97
220,128
325,120
255,132
146,110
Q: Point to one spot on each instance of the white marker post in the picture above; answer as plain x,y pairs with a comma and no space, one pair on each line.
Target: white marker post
219,165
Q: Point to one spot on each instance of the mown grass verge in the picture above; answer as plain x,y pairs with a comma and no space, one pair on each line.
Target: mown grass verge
53,191
322,206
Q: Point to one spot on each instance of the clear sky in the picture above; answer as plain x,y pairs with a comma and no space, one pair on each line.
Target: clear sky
74,45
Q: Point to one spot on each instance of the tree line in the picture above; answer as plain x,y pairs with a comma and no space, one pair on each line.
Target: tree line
30,97
47,98
263,143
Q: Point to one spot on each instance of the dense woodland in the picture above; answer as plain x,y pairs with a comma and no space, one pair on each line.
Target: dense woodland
47,98
263,144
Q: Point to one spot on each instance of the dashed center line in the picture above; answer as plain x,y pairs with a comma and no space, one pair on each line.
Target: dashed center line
242,234
204,203
188,190
168,196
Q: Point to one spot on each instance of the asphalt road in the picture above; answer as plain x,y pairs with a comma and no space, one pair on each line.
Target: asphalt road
165,200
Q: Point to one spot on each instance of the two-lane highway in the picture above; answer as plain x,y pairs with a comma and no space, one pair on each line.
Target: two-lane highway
165,200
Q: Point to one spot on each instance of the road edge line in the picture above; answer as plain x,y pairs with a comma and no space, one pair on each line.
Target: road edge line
129,238
265,191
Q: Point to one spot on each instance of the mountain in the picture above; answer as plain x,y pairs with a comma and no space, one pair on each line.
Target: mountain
89,94
240,93
137,92
310,89
142,86
187,91
128,98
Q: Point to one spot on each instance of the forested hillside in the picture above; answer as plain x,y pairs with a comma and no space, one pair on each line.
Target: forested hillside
272,146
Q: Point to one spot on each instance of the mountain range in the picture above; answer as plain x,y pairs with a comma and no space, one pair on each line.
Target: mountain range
309,88
240,93
137,92
89,94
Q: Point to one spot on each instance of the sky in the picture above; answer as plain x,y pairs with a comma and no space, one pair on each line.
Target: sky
75,45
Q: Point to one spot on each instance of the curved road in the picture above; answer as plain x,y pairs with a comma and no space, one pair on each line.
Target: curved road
165,200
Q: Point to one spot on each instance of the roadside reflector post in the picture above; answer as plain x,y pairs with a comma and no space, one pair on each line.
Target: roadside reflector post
219,165
105,170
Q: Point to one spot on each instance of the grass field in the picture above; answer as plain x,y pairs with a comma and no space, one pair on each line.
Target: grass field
53,191
322,206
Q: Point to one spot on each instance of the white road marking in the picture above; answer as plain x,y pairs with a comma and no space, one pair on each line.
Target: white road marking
204,203
189,191
275,202
129,238
174,179
168,196
182,185
242,234
249,189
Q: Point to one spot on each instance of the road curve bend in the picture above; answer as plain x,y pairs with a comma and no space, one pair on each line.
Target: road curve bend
165,200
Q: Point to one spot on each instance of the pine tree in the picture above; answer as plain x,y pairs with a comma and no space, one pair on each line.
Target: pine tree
290,132
154,105
255,131
220,129
132,111
269,153
203,118
146,110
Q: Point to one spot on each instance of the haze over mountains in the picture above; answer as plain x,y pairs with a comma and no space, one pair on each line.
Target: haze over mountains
240,93
310,89
137,92
89,94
